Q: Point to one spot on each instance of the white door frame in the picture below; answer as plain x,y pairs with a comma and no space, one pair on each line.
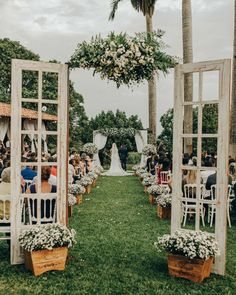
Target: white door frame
17,197
223,101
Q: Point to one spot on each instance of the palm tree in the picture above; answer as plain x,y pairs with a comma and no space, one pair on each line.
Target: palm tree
147,8
233,102
188,79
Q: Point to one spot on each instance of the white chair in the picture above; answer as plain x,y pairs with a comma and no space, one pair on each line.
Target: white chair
212,207
189,205
5,227
42,209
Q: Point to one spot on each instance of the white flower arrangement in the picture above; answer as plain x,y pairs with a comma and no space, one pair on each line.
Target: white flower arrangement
90,148
121,132
149,180
149,149
76,189
92,175
98,169
136,167
84,181
124,59
47,237
164,200
141,171
155,190
190,244
71,200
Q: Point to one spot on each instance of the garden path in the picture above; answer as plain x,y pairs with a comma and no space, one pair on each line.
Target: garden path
116,228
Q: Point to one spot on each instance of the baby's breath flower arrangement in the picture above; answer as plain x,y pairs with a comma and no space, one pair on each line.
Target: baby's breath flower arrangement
164,200
76,189
71,200
190,244
92,175
149,149
84,181
98,169
90,148
141,171
155,190
123,59
149,180
47,237
121,132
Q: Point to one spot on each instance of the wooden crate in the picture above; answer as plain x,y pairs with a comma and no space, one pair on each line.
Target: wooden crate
70,211
45,260
164,212
152,199
79,199
195,270
94,183
88,189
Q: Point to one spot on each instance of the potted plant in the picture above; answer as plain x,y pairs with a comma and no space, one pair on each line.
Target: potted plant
98,169
154,191
93,176
71,202
86,182
46,247
148,181
190,254
164,205
77,190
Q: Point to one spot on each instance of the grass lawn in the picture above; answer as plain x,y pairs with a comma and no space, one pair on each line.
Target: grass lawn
116,228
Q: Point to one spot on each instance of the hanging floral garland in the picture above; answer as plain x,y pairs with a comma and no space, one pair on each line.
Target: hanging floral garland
118,132
123,59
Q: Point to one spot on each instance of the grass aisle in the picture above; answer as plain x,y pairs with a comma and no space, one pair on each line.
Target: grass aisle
116,228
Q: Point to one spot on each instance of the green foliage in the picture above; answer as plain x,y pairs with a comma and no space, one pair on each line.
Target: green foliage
209,125
78,121
124,59
117,120
146,6
10,50
134,158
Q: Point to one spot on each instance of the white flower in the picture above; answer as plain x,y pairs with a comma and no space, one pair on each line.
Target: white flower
190,244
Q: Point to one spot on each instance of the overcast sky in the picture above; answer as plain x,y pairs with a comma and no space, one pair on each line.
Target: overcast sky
52,28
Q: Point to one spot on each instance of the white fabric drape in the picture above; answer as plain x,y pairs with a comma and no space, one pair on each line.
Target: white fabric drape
141,141
100,140
29,125
4,126
44,138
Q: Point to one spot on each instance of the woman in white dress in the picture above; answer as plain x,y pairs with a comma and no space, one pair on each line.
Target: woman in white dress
115,168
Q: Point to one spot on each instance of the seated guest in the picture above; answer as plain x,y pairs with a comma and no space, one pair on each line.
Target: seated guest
28,173
211,180
71,171
46,187
5,189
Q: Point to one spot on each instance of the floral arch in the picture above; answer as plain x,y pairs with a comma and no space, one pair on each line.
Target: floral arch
100,139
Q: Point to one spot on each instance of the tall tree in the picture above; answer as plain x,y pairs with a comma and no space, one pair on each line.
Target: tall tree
147,8
188,78
233,102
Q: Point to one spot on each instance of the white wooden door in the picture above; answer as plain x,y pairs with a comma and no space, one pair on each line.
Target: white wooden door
211,97
39,95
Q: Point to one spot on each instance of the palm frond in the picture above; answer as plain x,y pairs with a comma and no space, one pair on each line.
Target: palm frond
146,6
114,7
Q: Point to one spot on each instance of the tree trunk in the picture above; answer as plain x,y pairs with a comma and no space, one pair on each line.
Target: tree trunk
233,102
152,100
188,79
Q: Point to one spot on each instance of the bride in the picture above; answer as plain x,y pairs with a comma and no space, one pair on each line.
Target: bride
115,168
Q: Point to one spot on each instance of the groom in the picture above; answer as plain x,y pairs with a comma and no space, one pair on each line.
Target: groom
123,153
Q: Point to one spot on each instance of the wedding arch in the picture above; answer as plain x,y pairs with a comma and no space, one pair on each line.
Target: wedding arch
100,139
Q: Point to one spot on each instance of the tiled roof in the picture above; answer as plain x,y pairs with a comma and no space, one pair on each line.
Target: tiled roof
5,111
